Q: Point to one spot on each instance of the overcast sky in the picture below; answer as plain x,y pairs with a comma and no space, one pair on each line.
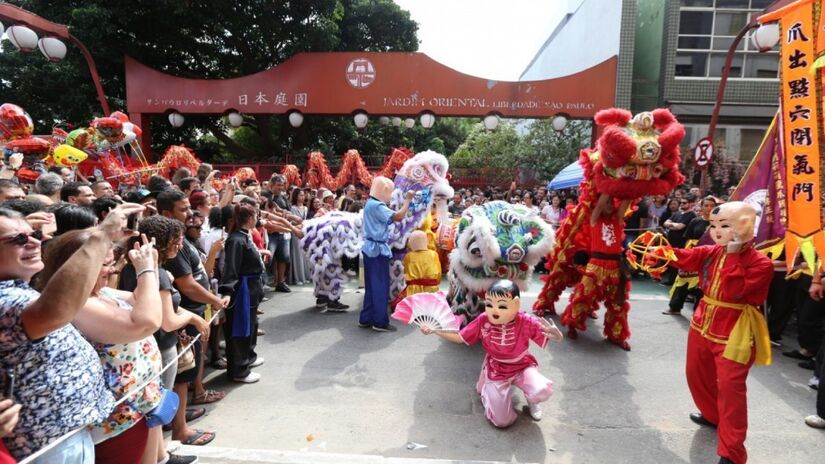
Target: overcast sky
494,39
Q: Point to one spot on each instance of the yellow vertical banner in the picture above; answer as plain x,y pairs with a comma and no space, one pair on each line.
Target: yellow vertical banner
800,109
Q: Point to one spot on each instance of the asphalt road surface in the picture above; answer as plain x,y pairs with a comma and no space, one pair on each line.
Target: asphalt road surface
334,393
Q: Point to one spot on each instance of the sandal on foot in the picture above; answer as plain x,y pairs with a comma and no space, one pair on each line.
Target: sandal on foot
191,415
194,413
199,438
208,396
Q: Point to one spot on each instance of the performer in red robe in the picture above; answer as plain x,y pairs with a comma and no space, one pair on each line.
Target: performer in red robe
728,333
603,280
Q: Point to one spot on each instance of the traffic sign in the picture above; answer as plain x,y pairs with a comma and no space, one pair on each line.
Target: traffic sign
703,152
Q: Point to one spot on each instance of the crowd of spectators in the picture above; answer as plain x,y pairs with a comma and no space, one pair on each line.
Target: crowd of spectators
171,275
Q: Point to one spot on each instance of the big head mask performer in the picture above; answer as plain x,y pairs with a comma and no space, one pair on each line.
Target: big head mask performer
377,254
505,333
728,333
422,268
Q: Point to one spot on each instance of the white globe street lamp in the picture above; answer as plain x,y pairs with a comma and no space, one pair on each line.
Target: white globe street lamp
396,121
176,119
427,120
559,123
53,49
360,119
1,29
766,36
384,120
296,118
235,119
491,122
409,122
23,38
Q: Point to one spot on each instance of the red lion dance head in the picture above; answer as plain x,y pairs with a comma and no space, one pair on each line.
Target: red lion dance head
637,155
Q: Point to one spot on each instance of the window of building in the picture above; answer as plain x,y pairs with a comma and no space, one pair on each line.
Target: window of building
738,143
707,29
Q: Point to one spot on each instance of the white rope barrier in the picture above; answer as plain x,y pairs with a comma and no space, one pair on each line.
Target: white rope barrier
123,399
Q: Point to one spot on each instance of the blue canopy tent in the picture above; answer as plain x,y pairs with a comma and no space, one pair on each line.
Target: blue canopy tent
571,176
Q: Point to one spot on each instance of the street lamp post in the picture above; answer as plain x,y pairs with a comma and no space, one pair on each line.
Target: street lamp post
16,15
772,40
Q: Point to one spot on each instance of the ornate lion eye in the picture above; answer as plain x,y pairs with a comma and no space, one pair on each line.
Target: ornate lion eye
417,172
509,218
649,151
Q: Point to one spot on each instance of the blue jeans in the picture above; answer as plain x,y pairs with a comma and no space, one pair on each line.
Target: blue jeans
77,449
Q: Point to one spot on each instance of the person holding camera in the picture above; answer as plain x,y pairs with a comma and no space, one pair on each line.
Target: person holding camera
61,362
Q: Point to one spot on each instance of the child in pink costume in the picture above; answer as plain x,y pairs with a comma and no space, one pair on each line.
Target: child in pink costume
505,334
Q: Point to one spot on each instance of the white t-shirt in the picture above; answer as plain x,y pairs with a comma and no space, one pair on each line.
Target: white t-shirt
551,215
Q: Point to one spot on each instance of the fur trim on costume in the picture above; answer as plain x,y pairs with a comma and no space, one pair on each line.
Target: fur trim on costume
494,241
337,234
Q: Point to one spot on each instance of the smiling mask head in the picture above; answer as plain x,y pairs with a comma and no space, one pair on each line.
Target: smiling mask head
501,303
732,221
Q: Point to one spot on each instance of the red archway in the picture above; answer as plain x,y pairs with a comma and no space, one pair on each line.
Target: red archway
392,84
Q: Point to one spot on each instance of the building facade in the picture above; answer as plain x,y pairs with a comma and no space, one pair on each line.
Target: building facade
671,54
690,39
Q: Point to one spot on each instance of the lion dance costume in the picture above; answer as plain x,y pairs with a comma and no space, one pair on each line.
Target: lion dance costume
634,157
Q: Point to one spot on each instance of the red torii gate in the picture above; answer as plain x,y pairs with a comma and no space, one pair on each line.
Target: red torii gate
378,83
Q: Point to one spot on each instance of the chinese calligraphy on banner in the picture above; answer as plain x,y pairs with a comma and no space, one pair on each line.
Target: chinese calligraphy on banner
801,44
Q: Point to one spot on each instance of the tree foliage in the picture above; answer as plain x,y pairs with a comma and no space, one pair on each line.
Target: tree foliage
539,153
205,39
544,152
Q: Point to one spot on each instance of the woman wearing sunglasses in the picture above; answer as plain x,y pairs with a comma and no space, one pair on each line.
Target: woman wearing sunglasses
61,364
119,325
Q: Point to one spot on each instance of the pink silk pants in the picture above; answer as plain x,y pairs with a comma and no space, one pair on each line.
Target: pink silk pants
497,395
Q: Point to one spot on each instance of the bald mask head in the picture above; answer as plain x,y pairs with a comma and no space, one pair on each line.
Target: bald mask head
732,222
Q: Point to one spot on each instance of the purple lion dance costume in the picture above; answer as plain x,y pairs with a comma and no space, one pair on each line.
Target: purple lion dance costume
334,235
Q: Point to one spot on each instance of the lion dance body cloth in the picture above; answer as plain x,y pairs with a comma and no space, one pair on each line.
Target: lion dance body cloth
634,157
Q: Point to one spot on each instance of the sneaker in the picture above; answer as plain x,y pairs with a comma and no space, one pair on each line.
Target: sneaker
321,302
179,459
251,378
362,325
337,307
352,273
261,333
259,361
386,328
776,343
815,421
535,411
671,312
281,287
268,289
813,382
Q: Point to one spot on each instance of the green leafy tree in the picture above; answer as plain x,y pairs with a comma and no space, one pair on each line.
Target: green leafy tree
203,39
489,153
543,152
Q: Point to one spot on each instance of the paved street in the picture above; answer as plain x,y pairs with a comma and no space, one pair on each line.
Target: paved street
332,392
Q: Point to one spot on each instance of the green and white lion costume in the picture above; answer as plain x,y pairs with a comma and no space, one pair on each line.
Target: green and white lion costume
497,240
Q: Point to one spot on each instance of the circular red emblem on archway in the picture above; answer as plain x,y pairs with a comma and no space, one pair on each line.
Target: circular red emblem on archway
360,73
